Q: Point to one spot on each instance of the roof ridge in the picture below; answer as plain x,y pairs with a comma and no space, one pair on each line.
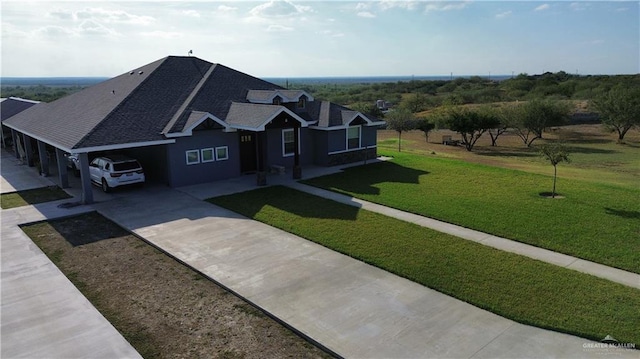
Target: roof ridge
124,100
189,99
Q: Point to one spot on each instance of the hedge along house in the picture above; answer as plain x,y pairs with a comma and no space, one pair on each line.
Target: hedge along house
190,121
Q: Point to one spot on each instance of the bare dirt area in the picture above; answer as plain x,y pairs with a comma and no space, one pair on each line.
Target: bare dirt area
163,308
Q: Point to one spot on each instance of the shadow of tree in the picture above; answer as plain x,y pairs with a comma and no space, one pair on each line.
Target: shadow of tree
287,199
362,179
623,213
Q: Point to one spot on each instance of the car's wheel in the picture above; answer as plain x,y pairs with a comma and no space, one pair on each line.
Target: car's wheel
105,186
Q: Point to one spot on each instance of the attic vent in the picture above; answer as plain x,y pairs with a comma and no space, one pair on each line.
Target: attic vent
140,73
131,73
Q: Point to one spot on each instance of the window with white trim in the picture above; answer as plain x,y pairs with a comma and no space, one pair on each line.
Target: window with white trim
206,154
222,153
288,145
193,157
353,137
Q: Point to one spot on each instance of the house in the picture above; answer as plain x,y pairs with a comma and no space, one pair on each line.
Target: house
190,121
9,107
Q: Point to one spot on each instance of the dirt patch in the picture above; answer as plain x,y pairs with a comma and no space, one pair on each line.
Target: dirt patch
163,308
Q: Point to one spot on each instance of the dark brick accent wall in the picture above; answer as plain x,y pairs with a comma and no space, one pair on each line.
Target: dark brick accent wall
352,156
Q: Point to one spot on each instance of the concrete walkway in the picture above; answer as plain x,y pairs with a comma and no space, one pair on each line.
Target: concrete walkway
351,308
613,274
42,314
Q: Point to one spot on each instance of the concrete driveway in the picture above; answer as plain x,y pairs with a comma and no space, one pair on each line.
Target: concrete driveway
350,308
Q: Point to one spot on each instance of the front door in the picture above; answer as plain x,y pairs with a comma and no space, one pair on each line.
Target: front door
248,158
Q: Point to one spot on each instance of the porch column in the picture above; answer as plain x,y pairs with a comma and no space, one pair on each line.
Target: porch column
87,190
297,170
14,136
44,159
28,150
63,175
261,174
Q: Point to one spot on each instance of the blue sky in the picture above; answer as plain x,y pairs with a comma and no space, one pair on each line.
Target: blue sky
323,38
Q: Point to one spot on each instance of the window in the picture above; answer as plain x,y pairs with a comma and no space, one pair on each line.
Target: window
353,137
222,153
302,102
207,155
287,142
277,100
193,157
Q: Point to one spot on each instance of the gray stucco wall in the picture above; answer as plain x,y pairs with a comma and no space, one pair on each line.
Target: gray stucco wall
182,174
274,149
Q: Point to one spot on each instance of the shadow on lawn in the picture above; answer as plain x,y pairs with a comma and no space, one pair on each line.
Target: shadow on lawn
623,213
286,199
363,179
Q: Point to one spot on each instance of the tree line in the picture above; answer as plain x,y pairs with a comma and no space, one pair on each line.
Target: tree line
618,108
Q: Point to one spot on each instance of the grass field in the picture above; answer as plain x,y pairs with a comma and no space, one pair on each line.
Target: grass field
520,288
32,196
594,221
595,155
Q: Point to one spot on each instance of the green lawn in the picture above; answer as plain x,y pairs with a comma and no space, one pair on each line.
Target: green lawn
516,287
594,221
32,196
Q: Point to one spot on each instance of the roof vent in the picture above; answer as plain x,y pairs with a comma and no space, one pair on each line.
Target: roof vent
131,73
140,73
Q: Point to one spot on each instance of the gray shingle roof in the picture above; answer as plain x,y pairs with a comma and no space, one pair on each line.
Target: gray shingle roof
13,105
160,99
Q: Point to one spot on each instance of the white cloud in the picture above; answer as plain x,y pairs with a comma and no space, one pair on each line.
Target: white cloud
54,31
361,6
91,27
168,35
102,15
407,5
366,14
621,9
446,6
279,28
542,7
504,14
330,33
279,8
226,8
191,13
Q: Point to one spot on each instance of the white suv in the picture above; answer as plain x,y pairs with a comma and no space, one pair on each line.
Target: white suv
113,171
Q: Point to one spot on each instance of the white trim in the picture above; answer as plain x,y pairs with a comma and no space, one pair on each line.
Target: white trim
342,127
351,150
94,148
262,127
284,154
20,99
197,152
359,127
213,154
226,151
189,130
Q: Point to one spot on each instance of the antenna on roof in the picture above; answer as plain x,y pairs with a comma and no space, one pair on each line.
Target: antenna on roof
190,53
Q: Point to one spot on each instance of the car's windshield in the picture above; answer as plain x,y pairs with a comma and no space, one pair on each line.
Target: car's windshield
126,166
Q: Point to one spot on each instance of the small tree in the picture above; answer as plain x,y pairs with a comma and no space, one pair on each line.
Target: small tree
400,120
619,109
504,122
532,118
424,125
470,125
555,153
